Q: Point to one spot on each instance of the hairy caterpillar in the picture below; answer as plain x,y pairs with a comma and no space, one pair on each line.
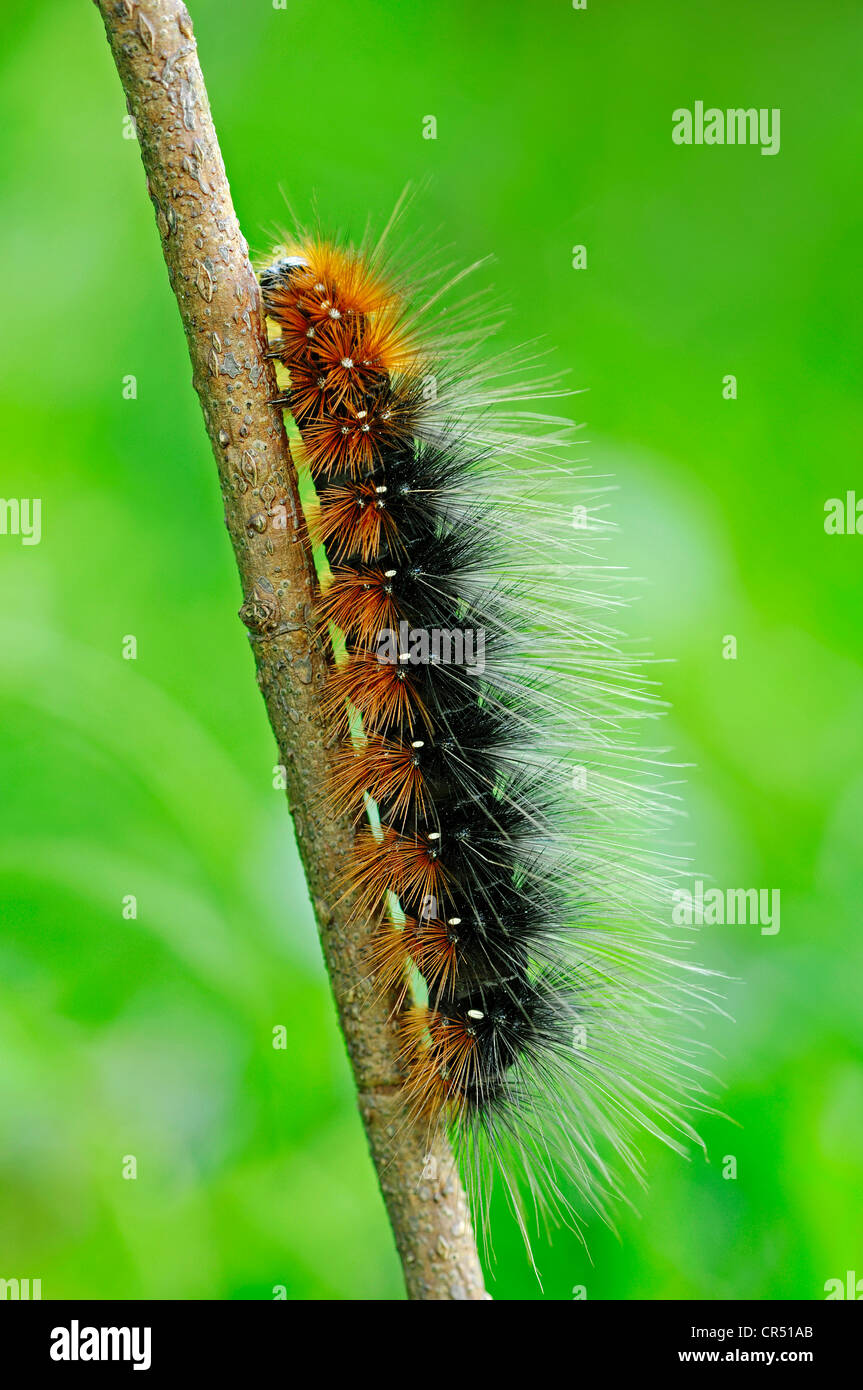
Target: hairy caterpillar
482,707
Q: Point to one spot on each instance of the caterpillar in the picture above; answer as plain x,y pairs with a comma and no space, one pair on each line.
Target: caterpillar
486,717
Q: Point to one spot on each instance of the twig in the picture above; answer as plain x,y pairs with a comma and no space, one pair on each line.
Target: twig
208,266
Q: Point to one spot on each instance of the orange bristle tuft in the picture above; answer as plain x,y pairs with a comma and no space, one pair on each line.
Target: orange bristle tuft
354,520
360,604
440,1058
408,867
388,963
381,692
383,769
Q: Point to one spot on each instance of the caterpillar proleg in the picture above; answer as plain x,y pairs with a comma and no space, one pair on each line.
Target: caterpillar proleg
487,716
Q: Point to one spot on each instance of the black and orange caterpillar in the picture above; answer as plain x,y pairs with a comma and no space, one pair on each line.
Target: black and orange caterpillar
481,703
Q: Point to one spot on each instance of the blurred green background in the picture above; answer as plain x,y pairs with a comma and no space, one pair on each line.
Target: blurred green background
152,1037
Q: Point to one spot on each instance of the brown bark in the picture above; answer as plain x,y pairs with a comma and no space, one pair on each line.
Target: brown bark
217,294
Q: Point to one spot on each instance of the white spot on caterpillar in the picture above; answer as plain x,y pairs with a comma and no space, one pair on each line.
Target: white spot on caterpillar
381,489
434,834
418,743
475,1013
390,574
453,921
347,363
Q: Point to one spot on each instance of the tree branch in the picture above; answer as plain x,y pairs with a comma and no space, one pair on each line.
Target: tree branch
217,294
